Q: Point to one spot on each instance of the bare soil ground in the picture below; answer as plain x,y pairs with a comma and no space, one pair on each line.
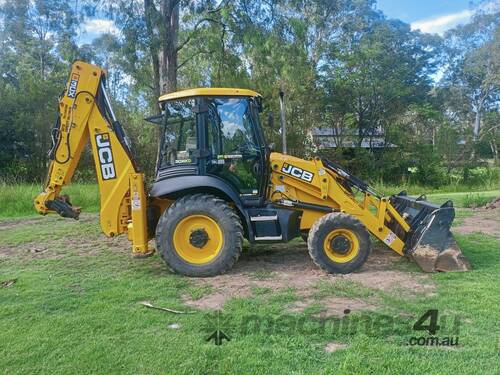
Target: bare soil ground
483,220
281,267
334,346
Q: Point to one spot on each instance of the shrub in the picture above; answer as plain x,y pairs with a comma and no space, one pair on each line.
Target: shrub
476,200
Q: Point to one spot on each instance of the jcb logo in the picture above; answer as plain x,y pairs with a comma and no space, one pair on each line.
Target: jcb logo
73,84
297,172
105,156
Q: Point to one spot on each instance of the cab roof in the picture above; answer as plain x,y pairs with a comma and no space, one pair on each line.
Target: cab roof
207,91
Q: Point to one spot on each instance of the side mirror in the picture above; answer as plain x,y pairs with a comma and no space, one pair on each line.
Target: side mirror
270,120
156,119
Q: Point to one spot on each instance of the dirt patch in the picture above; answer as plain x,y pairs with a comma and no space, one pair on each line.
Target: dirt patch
483,220
292,268
86,244
269,268
215,301
15,223
494,204
6,251
333,346
388,279
45,220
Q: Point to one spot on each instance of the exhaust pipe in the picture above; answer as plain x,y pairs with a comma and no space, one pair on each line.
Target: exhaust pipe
282,120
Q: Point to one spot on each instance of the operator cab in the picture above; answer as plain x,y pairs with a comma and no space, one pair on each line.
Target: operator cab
214,132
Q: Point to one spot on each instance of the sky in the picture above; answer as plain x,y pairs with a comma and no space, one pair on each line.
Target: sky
432,16
428,16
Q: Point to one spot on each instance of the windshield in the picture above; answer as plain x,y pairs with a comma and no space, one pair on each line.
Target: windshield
231,131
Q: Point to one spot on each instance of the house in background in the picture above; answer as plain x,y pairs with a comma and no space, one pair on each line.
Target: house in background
324,138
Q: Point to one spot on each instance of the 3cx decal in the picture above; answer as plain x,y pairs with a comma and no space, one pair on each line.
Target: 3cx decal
105,156
73,84
297,172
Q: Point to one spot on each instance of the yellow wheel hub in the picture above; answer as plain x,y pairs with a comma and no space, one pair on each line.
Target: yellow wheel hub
198,239
341,245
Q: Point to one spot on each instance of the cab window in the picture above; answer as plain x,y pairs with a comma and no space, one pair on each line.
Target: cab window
179,137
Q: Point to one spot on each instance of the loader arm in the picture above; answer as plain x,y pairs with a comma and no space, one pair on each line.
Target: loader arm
85,114
409,226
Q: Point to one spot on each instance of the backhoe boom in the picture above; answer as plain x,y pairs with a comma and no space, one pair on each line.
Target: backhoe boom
85,113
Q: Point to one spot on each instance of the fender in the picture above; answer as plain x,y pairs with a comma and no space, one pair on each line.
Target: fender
172,186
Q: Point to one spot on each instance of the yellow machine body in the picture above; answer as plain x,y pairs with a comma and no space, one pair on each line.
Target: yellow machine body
206,239
325,190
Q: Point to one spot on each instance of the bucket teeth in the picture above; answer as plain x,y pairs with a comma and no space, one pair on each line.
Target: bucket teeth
451,259
425,257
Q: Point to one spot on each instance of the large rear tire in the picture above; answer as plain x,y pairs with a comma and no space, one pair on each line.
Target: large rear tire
339,243
199,235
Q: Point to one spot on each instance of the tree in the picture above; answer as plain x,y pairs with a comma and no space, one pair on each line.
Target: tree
472,78
32,73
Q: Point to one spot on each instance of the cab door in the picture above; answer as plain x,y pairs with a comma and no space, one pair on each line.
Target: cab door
234,147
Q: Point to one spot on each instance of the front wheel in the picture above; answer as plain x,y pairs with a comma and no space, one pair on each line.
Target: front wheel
199,235
339,243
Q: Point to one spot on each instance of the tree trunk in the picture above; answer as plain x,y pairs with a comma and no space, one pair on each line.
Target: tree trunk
169,44
360,123
477,123
494,150
162,27
149,15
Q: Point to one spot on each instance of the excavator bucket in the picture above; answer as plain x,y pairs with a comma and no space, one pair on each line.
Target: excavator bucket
429,242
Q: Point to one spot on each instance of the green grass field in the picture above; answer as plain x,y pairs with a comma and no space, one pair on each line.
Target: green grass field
87,197
74,310
17,200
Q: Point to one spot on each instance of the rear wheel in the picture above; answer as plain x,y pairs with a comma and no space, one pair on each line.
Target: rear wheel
339,243
199,235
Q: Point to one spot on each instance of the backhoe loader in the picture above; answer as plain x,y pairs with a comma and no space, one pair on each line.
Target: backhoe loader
217,182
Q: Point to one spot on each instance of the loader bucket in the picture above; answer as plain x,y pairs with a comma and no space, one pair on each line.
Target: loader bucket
429,242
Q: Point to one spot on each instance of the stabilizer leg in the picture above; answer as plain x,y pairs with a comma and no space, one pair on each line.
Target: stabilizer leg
137,229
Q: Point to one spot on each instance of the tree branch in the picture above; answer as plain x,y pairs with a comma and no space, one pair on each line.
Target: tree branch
195,29
192,57
490,130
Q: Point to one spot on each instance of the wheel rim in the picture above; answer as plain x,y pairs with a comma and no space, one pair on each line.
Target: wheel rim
341,245
198,239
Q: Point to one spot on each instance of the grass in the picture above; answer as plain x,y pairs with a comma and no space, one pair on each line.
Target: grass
462,199
413,189
473,200
17,200
77,313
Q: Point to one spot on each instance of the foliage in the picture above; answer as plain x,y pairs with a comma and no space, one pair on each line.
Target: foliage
345,68
474,200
